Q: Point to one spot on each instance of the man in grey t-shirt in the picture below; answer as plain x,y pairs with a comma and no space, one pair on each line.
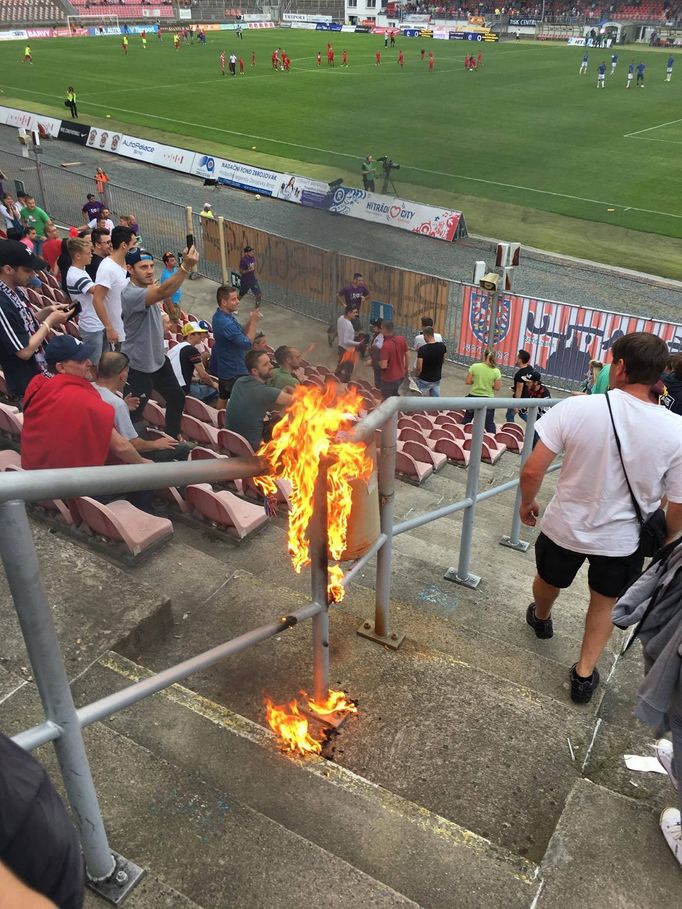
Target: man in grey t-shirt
251,399
143,324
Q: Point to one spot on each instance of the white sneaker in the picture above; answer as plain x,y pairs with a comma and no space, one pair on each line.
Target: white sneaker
672,831
664,753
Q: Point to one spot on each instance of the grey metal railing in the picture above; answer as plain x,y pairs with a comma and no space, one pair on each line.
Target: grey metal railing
109,873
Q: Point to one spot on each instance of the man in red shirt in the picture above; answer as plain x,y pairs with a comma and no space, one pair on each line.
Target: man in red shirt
319,58
401,59
377,58
66,422
344,57
393,361
431,61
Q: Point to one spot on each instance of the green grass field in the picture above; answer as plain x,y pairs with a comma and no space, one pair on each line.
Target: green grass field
527,148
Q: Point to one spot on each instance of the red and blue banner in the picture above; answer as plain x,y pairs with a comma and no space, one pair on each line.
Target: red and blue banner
560,338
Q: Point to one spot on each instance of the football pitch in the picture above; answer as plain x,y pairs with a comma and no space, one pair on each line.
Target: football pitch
526,147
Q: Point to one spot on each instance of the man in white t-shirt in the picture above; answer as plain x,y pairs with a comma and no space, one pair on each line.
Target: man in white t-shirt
80,287
591,515
104,215
426,322
111,280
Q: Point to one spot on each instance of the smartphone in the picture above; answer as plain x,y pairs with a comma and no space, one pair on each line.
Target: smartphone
189,240
76,307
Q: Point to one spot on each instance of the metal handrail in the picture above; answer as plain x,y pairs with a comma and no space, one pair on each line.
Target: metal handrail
63,724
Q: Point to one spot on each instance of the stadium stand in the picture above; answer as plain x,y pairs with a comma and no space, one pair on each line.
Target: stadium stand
31,12
124,10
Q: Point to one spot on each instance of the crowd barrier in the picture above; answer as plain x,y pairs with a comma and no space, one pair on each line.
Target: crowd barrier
562,339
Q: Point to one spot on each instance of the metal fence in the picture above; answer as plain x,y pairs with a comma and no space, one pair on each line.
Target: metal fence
305,277
110,873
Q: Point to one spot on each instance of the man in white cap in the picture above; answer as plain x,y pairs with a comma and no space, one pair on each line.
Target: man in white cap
186,359
206,211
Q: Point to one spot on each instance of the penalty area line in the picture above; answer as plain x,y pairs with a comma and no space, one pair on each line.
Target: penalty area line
650,128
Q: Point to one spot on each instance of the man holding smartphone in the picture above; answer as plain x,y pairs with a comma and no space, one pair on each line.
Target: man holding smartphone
23,335
143,324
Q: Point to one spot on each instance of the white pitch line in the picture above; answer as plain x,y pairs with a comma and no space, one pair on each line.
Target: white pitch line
338,154
649,128
653,139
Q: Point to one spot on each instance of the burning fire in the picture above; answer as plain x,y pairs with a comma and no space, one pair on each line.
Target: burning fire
308,432
336,702
293,728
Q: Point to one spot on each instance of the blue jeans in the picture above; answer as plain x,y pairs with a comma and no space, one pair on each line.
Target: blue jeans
97,339
510,414
428,389
205,393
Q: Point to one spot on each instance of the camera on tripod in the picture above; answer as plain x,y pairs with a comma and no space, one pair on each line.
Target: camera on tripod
388,165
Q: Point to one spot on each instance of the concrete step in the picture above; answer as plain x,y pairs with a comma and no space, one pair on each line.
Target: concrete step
147,788
608,853
433,729
95,605
380,835
151,893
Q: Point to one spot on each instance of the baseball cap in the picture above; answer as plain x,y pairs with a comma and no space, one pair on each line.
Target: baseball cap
533,377
14,253
67,347
168,255
202,323
138,255
191,328
207,205
248,249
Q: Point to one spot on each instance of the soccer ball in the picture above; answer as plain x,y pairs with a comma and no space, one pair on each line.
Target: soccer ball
257,196
108,116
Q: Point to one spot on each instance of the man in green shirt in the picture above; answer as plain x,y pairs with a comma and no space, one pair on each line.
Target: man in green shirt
251,399
369,170
284,375
33,216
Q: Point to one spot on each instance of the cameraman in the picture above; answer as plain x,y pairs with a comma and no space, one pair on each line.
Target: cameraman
369,170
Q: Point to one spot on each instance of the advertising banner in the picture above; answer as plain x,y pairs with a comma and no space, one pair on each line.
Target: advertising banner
302,190
40,32
310,26
561,339
13,36
441,33
515,22
442,224
260,24
466,36
168,156
305,17
70,131
46,126
103,139
411,32
184,13
232,173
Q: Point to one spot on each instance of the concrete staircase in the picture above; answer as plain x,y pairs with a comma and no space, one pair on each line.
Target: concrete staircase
468,779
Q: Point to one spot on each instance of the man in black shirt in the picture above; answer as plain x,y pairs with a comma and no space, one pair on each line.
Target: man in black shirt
429,366
101,248
23,334
519,388
38,842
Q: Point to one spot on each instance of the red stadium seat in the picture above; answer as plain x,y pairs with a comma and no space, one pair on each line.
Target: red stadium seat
225,510
121,522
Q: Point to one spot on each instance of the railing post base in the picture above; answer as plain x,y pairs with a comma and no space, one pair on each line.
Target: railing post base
471,580
392,640
519,546
125,877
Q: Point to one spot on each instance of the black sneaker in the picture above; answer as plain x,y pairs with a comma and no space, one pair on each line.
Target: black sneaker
543,628
583,689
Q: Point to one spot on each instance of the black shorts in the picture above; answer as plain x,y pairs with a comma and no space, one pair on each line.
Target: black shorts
607,575
225,387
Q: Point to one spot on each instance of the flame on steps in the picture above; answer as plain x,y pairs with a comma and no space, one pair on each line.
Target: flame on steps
306,433
293,728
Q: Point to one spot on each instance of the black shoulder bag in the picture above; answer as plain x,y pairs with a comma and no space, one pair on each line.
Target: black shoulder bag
653,529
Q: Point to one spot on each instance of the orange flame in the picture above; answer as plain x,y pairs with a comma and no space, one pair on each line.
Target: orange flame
292,728
308,432
336,702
